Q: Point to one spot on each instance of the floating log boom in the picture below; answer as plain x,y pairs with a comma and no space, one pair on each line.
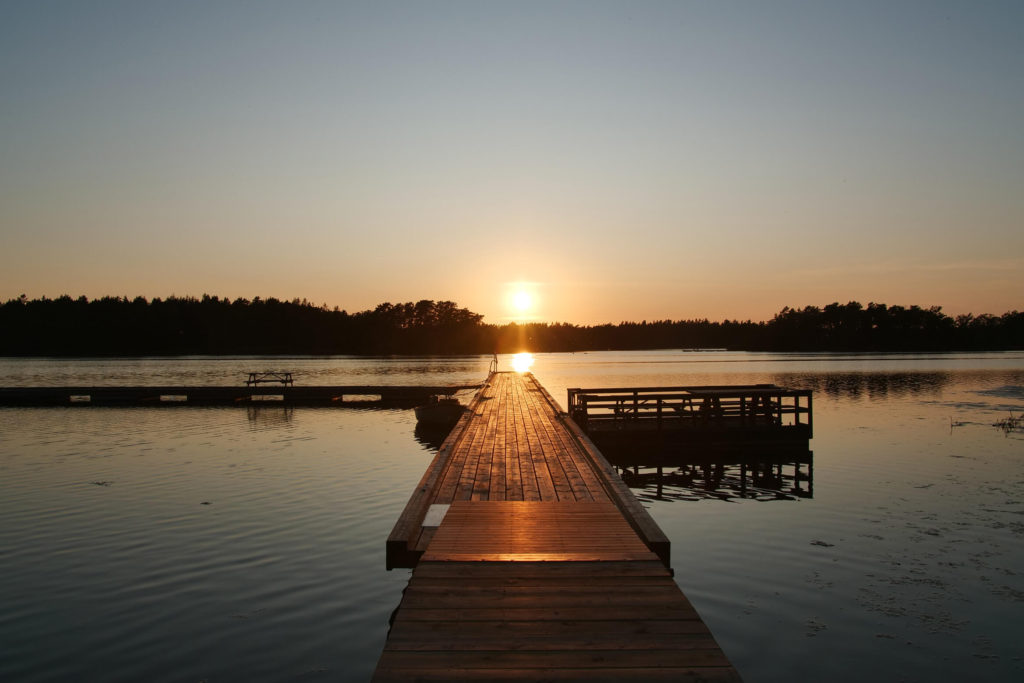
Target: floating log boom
255,393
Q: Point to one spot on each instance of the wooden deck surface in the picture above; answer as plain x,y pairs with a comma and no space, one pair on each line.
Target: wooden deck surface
514,444
543,565
515,448
566,531
548,621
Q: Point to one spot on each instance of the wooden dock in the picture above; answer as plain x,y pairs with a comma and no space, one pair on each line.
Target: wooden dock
533,560
757,412
694,422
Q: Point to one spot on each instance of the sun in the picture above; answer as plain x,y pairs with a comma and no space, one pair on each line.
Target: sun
522,301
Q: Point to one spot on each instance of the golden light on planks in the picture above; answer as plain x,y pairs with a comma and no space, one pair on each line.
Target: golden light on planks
536,531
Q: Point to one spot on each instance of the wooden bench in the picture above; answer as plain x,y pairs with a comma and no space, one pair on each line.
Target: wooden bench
257,378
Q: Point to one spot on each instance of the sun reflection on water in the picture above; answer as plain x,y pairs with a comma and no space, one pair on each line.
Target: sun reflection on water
522,362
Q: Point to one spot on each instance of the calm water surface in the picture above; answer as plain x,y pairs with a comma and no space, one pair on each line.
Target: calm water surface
227,544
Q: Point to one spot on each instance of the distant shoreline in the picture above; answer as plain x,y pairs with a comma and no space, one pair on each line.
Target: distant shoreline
181,327
825,354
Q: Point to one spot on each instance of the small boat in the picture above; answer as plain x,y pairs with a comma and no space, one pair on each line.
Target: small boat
439,411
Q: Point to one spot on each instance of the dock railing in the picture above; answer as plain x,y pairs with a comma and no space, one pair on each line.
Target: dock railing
663,408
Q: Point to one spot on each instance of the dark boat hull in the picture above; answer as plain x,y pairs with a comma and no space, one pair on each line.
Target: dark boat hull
445,412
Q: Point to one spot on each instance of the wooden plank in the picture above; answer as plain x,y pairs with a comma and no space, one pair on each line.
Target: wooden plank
609,582
553,628
684,674
527,570
459,600
422,541
643,613
580,659
499,464
499,458
424,637
513,468
597,555
484,450
582,591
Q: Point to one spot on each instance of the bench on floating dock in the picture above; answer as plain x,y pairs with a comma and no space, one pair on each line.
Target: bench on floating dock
257,378
534,561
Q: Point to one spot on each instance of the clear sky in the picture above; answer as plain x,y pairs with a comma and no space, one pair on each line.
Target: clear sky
628,160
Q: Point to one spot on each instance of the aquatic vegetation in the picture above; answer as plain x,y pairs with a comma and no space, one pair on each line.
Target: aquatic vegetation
1009,424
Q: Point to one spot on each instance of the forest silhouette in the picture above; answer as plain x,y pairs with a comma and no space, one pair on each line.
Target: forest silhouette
211,325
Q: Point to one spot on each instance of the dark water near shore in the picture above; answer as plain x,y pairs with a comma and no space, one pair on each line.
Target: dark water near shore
227,544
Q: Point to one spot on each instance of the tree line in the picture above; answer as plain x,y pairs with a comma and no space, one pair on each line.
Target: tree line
211,325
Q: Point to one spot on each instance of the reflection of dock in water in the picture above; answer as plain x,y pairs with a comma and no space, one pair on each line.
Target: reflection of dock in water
783,476
533,561
270,417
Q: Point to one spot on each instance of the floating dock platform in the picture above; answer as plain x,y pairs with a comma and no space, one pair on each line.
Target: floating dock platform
534,561
699,419
260,394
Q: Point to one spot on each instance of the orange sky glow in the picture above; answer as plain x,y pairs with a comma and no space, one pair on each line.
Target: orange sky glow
611,162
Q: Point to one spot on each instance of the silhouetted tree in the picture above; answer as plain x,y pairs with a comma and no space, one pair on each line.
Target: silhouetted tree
115,325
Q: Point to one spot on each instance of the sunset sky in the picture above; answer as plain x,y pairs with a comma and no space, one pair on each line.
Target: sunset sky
620,160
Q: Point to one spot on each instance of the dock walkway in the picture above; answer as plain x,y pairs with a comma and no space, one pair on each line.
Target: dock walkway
533,561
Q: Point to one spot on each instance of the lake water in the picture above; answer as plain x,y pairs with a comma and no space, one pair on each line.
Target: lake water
229,544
